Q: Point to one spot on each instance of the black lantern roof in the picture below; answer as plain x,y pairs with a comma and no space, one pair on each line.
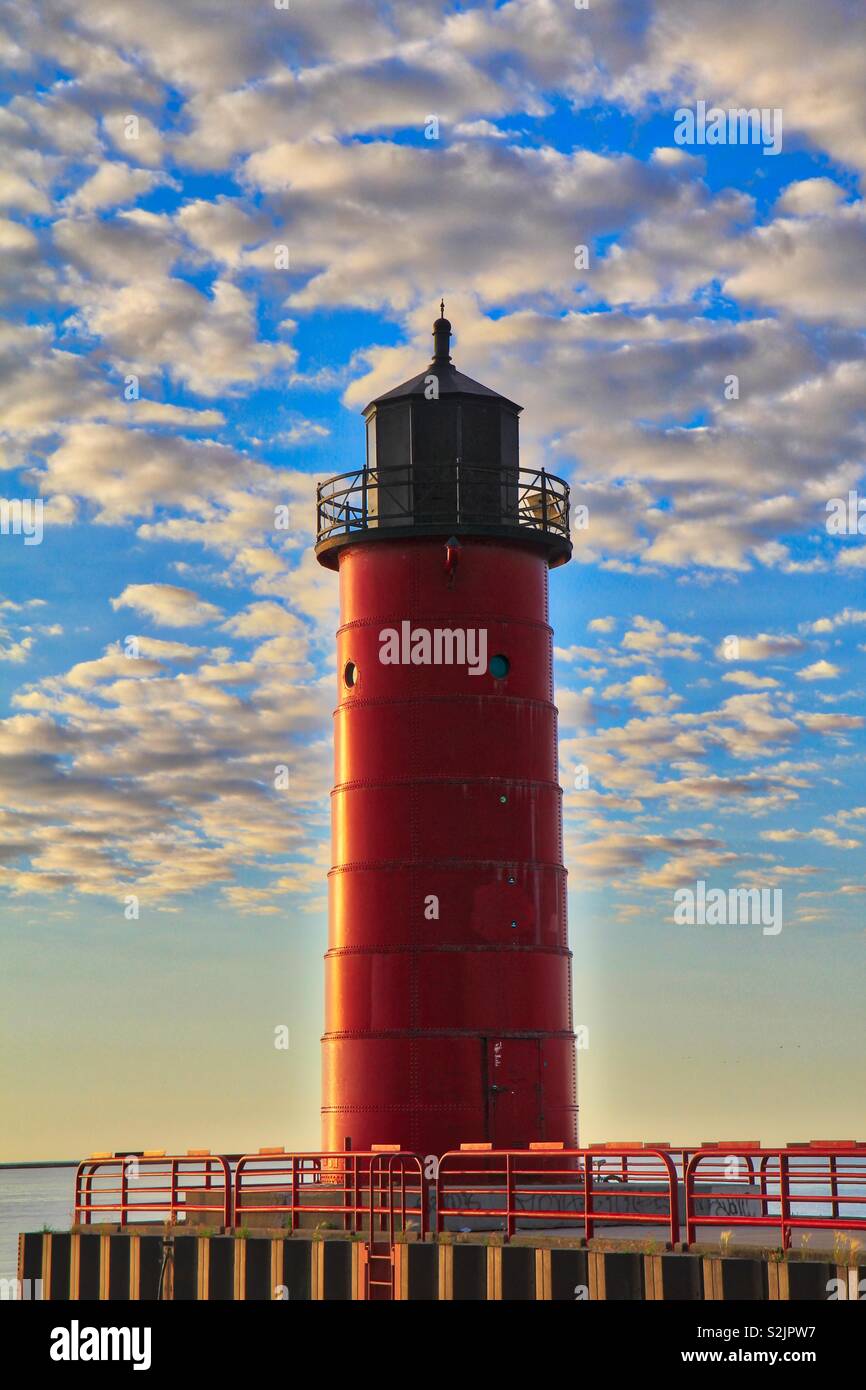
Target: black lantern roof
450,381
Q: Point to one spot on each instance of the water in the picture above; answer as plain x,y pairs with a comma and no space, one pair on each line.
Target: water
31,1198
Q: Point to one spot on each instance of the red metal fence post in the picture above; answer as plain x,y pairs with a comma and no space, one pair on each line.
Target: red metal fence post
673,1195
124,1191
173,1195
784,1200
688,1185
439,1206
588,1226
834,1186
79,1214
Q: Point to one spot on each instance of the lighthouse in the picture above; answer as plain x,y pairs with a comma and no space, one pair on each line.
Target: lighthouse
448,1013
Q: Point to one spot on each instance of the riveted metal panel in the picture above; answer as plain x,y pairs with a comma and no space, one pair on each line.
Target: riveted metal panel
448,964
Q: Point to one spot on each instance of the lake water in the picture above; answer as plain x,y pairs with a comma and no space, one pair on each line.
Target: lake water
31,1198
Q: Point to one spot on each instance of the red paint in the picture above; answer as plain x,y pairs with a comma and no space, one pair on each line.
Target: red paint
456,1028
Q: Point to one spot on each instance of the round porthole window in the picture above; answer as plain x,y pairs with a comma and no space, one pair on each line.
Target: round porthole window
350,675
499,667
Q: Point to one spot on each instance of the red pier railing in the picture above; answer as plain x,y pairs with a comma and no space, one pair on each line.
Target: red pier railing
383,1193
381,1190
548,1185
808,1187
152,1185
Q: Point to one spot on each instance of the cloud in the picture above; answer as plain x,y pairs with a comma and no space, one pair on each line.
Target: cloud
811,197
127,473
751,680
112,185
820,833
135,135
224,229
15,652
208,341
624,854
646,692
153,775
615,390
302,431
167,604
256,128
844,618
819,671
264,619
809,267
760,648
650,637
21,193
344,197
743,55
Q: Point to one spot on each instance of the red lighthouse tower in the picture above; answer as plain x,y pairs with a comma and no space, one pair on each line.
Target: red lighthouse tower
448,974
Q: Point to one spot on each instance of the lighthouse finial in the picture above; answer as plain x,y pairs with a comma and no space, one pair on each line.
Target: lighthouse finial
442,337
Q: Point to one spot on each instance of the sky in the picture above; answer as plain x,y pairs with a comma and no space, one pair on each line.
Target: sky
225,227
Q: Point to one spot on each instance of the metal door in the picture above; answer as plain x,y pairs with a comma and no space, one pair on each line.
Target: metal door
515,1101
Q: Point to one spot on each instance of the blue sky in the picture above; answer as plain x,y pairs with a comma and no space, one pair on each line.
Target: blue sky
148,267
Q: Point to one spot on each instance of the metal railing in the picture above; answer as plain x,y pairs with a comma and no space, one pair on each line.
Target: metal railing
383,1193
559,1187
806,1187
380,1191
152,1186
617,1154
451,494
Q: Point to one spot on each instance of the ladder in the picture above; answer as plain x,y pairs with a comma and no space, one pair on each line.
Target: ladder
380,1272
